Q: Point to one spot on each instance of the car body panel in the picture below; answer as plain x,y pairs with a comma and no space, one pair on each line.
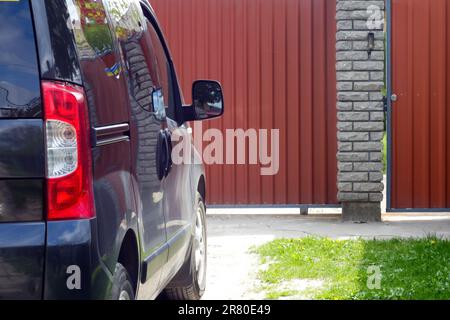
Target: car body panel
21,200
22,252
72,252
58,58
22,148
129,196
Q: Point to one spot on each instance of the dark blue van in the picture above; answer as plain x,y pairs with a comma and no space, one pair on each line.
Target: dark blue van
92,203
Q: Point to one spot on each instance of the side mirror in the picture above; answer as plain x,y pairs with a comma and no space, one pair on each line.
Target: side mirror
207,100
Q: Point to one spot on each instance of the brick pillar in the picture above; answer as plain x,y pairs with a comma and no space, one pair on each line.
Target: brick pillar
360,79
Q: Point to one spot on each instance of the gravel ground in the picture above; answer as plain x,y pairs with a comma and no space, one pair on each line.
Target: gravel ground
232,269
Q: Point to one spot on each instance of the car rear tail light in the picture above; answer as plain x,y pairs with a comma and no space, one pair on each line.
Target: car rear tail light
68,152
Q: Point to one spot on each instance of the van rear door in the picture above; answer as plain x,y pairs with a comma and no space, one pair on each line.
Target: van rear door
22,169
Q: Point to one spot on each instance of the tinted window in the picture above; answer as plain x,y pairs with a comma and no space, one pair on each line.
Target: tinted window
163,71
19,74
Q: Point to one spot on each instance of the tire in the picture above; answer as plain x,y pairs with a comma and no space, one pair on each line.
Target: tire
193,274
122,288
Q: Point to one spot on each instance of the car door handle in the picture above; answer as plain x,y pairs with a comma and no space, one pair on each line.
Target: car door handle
163,154
110,134
168,135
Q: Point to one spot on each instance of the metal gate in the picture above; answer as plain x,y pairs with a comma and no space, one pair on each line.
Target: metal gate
276,62
419,111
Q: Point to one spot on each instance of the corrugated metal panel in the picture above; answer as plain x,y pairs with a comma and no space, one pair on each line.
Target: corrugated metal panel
421,117
276,62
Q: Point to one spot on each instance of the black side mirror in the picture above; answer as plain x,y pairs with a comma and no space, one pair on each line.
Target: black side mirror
207,100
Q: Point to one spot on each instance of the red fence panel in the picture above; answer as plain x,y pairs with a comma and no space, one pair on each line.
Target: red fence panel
421,116
276,62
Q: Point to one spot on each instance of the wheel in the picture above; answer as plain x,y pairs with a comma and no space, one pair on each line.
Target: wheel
193,273
122,288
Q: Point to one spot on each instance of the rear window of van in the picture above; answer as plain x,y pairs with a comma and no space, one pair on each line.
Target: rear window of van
19,72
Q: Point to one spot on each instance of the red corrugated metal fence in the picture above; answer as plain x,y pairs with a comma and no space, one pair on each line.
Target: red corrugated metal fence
276,62
421,116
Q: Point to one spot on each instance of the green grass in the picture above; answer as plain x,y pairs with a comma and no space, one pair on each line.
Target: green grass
410,269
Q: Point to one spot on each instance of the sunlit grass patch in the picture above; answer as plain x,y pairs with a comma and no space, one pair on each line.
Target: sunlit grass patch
358,269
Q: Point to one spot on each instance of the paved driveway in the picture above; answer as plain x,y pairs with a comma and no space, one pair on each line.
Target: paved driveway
232,269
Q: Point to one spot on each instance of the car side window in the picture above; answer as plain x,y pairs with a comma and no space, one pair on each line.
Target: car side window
163,70
147,64
100,63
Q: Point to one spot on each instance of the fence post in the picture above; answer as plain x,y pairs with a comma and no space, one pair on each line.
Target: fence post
360,65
